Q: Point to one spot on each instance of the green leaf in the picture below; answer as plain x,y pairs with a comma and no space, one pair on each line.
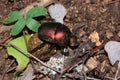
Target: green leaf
18,27
21,59
13,16
36,11
32,24
16,76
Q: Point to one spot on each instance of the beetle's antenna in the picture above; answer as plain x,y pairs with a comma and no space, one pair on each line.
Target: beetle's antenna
37,47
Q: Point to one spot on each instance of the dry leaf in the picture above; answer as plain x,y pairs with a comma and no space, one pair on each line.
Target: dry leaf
46,2
106,1
92,63
28,74
109,34
103,65
118,34
94,37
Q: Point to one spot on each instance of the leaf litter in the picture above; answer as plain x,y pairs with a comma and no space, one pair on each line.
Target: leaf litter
99,16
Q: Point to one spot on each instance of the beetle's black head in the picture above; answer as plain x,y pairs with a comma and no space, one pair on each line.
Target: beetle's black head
73,41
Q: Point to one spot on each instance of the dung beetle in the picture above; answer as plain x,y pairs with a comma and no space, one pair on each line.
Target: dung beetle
55,34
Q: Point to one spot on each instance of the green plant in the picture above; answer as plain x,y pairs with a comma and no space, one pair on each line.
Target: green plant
21,21
21,58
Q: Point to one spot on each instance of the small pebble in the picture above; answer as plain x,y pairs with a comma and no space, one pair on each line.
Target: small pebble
113,50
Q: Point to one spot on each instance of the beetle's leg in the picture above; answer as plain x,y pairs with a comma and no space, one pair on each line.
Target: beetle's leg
37,47
50,48
64,51
48,51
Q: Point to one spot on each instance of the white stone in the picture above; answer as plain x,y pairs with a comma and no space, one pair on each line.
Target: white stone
57,12
113,50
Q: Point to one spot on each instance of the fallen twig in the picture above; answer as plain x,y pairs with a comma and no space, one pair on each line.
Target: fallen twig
117,72
5,71
5,40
